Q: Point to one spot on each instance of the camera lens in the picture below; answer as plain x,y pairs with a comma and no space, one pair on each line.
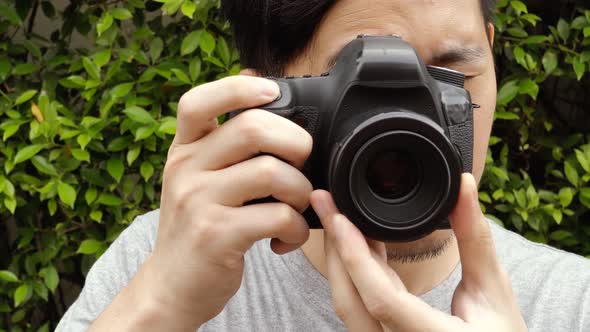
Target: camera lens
393,175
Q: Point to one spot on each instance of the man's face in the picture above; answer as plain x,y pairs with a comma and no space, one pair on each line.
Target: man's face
446,33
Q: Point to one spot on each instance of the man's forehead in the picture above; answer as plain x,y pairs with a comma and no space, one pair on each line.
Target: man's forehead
441,31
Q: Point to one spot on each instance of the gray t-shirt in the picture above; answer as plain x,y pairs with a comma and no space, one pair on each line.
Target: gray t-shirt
286,293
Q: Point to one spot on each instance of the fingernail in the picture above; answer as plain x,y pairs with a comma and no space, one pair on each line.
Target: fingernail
269,89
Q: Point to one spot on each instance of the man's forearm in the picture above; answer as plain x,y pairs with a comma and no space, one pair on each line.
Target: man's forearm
136,309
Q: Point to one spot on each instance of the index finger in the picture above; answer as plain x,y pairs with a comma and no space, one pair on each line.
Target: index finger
200,106
385,301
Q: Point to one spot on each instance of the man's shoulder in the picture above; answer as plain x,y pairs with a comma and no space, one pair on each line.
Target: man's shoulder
514,249
551,285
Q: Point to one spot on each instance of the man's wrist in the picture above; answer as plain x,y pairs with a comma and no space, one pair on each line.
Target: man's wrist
140,307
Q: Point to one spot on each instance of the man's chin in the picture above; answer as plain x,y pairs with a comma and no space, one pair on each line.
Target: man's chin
426,248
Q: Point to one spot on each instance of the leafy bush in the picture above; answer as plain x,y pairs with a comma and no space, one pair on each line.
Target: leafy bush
85,132
87,113
538,166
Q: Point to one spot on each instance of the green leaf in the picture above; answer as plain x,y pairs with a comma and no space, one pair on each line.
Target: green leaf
168,126
28,152
73,82
81,155
41,291
181,75
519,55
102,58
550,61
96,215
119,143
170,7
132,154
66,193
50,277
83,140
560,235
121,13
506,115
557,216
224,51
563,29
122,90
579,23
4,68
24,69
10,204
25,96
188,8
20,294
571,174
194,68
519,7
8,276
43,165
517,32
508,92
109,200
156,47
104,23
139,114
581,157
89,247
91,68
90,195
146,170
190,42
116,168
207,42
499,172
579,67
144,132
529,87
10,14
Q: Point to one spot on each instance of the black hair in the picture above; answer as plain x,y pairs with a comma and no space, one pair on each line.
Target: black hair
270,33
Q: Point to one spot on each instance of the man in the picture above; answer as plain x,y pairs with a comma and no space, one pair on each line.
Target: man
204,261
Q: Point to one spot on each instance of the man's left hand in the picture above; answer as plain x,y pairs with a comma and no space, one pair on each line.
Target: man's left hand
369,296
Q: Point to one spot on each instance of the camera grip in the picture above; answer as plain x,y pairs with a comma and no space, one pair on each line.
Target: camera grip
462,137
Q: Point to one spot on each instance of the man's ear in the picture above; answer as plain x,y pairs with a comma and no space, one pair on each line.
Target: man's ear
249,72
490,32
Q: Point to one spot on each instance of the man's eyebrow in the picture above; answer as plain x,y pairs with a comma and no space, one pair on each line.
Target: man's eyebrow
459,55
455,55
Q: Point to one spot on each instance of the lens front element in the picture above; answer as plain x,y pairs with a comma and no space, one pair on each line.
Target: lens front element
393,175
396,176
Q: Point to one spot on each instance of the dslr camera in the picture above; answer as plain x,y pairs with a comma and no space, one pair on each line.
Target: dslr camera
391,136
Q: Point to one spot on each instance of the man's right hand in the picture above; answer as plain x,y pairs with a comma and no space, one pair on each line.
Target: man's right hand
205,229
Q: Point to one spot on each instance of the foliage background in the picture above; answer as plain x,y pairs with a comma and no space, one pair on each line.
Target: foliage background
87,113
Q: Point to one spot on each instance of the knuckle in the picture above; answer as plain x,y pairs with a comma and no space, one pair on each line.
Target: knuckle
380,309
241,87
285,213
184,103
250,127
204,230
268,169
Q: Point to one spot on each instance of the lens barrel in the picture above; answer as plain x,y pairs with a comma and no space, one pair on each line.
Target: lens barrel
396,176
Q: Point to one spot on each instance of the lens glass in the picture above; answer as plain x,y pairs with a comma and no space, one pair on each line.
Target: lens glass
393,175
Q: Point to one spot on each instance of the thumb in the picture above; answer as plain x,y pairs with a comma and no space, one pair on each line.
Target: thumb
474,237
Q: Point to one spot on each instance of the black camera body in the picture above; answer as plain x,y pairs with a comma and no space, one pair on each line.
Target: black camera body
391,136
